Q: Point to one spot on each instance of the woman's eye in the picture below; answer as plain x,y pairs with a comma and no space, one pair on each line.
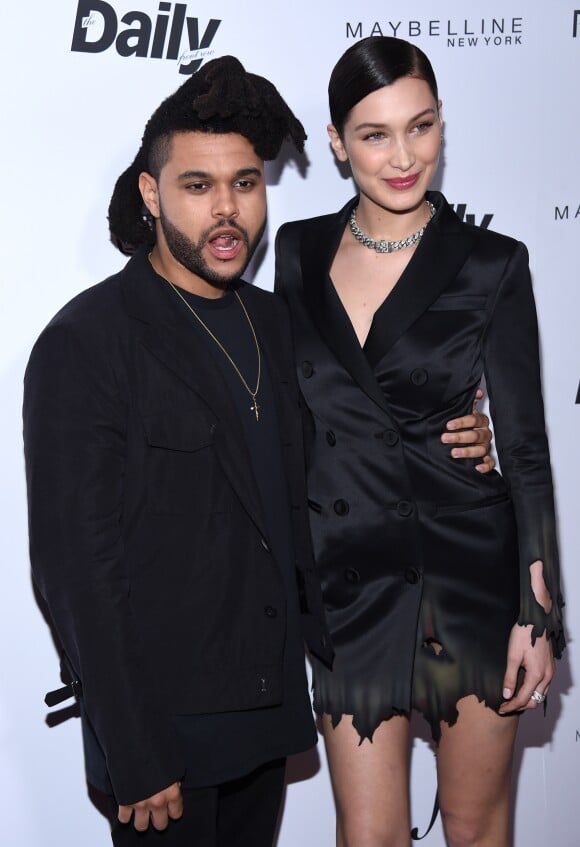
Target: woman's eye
424,126
374,136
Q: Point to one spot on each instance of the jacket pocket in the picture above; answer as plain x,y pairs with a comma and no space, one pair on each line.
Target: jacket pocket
182,472
185,434
470,505
458,302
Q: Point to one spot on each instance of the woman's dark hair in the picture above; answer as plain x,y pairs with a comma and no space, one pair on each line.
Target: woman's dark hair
371,64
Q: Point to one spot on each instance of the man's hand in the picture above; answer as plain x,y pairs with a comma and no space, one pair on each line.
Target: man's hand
474,432
159,808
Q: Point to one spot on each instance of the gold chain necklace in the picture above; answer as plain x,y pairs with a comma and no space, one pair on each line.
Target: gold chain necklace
253,394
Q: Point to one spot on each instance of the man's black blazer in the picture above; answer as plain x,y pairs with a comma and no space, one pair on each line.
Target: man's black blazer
147,539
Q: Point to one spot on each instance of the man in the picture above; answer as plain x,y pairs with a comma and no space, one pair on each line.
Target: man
165,472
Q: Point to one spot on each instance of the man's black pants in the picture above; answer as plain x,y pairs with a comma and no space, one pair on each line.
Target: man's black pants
240,813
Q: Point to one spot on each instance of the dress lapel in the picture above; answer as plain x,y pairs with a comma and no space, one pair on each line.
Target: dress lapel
436,262
326,310
439,257
168,335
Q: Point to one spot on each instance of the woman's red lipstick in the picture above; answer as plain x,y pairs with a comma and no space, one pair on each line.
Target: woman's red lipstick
401,183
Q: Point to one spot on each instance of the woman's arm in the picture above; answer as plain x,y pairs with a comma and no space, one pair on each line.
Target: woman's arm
512,369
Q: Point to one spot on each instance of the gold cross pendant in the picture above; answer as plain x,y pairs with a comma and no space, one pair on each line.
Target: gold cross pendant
255,408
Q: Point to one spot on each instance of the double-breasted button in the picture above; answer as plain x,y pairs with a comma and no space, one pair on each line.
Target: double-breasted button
307,369
271,612
265,545
405,508
341,507
391,437
352,575
419,376
331,438
412,576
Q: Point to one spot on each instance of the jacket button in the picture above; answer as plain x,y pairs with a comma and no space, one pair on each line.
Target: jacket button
271,612
352,575
404,508
419,376
307,369
391,437
341,507
331,438
265,545
412,576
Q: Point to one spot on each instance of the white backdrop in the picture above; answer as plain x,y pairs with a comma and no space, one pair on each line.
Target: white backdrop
72,121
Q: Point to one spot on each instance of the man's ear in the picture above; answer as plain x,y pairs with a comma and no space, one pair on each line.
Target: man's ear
149,193
336,143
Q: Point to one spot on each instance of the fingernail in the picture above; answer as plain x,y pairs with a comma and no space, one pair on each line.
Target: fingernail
445,438
507,693
451,425
457,453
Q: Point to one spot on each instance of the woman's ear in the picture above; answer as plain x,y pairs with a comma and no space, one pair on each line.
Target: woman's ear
149,193
336,143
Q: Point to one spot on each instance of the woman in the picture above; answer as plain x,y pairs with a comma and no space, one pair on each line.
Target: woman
441,584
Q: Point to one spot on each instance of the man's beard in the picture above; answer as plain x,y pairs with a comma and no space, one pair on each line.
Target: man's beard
189,253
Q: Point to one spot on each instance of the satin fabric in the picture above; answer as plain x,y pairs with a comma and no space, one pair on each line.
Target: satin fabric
424,562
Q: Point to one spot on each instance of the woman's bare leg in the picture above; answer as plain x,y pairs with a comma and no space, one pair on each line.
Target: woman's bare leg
474,772
370,783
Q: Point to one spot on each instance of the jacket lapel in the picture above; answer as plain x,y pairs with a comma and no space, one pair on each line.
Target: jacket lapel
168,335
318,249
436,262
438,259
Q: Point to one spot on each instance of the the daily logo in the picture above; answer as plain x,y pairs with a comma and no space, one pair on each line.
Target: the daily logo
469,218
460,32
97,28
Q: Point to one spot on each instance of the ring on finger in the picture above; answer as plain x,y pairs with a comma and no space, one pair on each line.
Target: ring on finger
537,697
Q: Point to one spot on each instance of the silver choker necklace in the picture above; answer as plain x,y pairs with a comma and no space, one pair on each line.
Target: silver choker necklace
383,246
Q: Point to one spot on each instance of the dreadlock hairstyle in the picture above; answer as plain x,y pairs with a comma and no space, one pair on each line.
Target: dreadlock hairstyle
220,98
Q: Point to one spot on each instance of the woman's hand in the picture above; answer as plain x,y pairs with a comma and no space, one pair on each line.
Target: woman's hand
538,665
